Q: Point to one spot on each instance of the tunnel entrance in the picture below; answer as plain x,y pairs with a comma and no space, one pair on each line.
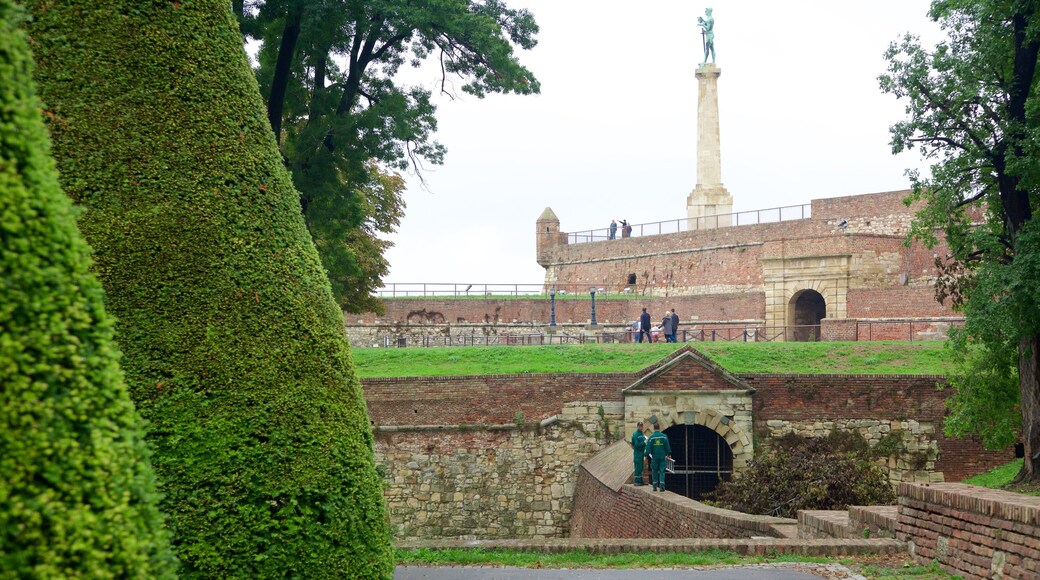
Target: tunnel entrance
809,309
703,459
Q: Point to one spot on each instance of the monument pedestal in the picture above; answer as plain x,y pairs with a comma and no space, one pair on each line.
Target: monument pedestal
709,205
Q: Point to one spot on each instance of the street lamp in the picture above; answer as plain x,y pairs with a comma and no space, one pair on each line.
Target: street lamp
552,306
593,292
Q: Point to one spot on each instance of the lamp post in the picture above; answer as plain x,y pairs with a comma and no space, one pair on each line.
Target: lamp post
552,306
593,292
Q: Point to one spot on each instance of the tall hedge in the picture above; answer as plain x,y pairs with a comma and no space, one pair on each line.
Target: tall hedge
234,348
77,495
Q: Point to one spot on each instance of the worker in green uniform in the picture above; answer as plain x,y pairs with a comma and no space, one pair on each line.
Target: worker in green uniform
639,452
659,450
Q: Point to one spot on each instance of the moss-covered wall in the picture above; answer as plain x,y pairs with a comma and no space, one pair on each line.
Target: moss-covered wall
234,347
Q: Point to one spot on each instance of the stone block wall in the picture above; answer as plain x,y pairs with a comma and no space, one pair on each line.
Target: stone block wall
970,531
506,481
908,408
636,512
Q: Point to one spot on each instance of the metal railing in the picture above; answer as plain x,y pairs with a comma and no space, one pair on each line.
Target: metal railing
453,290
743,218
866,331
718,334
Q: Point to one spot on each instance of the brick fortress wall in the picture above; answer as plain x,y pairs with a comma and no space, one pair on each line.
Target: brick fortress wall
507,448
726,276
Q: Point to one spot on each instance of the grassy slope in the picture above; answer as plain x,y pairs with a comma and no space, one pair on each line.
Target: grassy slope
738,357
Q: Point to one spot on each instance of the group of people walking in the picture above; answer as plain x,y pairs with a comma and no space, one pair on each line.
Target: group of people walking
626,229
668,328
655,448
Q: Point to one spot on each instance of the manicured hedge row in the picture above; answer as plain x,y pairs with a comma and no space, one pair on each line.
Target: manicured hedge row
77,494
234,348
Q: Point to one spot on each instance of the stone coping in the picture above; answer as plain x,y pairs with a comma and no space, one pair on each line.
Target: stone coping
749,547
764,525
834,523
1013,507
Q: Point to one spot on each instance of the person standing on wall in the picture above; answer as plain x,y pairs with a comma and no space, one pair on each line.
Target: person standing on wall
613,230
675,325
644,326
639,453
624,229
659,451
666,328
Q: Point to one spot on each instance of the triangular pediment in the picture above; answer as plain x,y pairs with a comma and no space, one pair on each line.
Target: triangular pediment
688,369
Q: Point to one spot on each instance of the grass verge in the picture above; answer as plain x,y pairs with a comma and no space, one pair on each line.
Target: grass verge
888,567
929,358
1002,477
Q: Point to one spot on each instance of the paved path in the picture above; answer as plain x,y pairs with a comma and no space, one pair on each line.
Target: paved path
762,572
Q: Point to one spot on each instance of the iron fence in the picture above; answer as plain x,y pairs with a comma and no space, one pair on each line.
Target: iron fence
866,330
463,290
743,218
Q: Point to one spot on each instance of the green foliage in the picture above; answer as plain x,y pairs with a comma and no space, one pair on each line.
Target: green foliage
974,114
927,358
329,71
234,347
819,473
77,492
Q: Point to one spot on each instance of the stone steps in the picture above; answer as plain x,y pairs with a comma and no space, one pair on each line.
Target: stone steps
814,524
858,522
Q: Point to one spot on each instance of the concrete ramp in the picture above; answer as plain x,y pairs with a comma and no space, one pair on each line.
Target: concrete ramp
613,466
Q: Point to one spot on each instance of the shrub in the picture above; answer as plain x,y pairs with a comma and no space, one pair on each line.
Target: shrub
234,348
77,494
820,473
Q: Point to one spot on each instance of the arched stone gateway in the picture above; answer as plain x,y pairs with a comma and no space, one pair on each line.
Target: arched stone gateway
808,308
703,460
706,413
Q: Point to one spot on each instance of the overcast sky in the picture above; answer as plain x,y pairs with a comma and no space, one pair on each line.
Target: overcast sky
613,132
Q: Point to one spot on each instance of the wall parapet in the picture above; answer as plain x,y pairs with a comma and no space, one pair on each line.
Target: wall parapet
971,531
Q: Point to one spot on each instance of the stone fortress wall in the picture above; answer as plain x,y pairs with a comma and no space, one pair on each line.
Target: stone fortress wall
872,284
852,251
498,456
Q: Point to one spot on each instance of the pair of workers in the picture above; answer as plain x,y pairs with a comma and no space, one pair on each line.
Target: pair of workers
657,448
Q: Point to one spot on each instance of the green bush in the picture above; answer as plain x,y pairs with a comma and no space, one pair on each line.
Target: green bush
77,494
234,347
816,473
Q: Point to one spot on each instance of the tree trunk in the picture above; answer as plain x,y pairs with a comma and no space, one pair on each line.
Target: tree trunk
282,73
1029,392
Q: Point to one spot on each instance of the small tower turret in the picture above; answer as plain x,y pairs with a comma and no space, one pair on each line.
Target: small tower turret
547,236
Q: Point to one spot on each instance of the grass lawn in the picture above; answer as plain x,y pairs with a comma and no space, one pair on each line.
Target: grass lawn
739,357
1001,477
889,567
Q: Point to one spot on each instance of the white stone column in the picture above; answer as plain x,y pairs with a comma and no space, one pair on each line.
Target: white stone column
709,204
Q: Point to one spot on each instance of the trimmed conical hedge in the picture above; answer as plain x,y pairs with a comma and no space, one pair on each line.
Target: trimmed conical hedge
234,348
77,495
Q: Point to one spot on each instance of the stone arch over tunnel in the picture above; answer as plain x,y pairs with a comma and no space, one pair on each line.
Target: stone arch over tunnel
708,448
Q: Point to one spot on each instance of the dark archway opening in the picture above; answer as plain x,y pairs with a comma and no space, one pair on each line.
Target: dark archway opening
703,459
809,309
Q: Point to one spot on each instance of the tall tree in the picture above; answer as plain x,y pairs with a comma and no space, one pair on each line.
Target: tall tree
973,112
234,347
77,491
329,71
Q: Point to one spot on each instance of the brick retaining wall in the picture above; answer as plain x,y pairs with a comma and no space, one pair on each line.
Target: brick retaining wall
639,512
971,531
